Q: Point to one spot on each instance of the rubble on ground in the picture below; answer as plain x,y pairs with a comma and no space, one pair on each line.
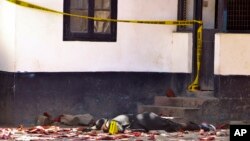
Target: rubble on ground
80,127
80,133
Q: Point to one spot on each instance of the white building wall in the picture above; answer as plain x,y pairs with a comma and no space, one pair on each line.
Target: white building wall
232,54
7,36
150,48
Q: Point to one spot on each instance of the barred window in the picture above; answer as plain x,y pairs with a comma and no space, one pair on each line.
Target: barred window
88,30
238,15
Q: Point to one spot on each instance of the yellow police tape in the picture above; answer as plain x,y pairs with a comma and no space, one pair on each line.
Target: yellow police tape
113,128
195,84
193,87
178,22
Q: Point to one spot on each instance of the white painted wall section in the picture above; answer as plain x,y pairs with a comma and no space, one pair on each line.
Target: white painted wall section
7,36
139,47
232,54
182,51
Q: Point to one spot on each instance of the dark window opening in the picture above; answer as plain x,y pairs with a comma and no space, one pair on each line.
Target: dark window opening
81,29
216,14
238,15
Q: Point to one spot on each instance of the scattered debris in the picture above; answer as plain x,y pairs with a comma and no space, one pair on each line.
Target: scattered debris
71,120
140,127
222,133
209,138
43,120
170,93
76,133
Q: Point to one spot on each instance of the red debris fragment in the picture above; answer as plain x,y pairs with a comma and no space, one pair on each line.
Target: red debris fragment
58,119
47,114
136,134
209,138
104,138
223,126
121,136
170,93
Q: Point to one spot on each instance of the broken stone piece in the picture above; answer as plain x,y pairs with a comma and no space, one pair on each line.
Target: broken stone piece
43,120
73,120
84,119
68,120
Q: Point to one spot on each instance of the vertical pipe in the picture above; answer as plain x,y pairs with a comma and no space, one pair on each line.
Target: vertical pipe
197,16
196,51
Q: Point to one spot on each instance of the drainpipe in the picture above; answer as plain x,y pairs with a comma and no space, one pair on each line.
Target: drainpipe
197,15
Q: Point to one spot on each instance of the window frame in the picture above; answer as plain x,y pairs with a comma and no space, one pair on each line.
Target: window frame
90,36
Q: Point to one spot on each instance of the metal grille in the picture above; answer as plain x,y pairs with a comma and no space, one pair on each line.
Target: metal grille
238,15
186,12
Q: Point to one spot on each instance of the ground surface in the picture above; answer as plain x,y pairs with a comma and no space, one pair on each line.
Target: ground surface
40,133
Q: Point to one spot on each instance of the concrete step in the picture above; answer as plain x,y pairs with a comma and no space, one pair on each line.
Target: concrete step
186,113
181,101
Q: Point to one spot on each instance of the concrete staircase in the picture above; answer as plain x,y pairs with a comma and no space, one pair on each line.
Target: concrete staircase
182,108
